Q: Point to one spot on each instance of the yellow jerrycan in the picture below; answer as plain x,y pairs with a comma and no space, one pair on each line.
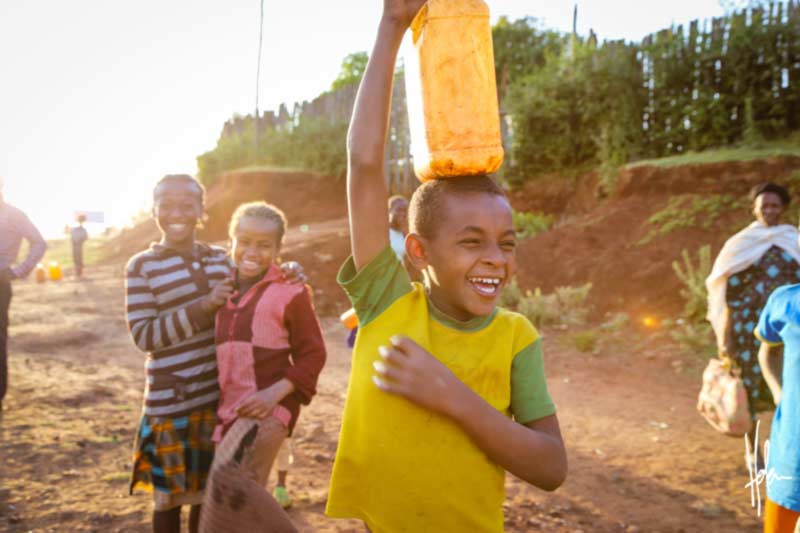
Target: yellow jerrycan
349,319
54,271
451,91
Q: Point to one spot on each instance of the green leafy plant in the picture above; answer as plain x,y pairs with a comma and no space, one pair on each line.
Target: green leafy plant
586,341
689,211
693,277
566,305
692,332
528,224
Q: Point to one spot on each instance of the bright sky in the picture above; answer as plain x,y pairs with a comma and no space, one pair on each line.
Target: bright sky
99,98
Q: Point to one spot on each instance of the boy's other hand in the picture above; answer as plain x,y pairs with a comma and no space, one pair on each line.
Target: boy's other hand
218,296
293,272
402,11
410,371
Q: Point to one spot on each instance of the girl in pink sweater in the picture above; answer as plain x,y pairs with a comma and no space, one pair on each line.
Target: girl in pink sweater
270,352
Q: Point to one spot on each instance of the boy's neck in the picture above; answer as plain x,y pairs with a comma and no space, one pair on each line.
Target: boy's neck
473,322
183,248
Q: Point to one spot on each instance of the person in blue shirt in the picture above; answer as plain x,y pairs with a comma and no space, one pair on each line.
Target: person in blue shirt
780,324
14,226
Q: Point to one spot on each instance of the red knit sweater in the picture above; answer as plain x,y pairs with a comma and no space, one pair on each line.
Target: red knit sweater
269,333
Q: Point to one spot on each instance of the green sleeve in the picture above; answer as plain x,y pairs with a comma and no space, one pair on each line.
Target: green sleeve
529,397
376,286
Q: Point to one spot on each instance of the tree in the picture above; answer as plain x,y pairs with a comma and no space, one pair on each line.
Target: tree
353,67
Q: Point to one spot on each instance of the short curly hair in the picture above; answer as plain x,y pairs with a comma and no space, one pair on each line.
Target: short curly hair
427,203
261,210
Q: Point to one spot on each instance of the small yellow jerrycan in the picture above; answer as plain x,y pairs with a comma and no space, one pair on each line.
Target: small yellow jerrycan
451,91
40,273
54,271
349,319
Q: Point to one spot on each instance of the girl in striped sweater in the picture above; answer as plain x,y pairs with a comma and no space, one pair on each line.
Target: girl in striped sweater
173,291
270,352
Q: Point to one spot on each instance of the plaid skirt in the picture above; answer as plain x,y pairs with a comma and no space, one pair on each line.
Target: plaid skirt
172,456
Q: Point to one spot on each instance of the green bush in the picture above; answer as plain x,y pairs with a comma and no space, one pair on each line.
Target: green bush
693,277
586,341
314,145
692,332
530,223
566,305
695,338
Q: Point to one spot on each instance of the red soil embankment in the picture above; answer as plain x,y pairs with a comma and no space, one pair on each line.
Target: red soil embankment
595,240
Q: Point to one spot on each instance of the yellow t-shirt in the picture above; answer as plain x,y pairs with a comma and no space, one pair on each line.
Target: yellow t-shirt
400,467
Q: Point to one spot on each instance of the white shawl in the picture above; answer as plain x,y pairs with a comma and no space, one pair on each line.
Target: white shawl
739,252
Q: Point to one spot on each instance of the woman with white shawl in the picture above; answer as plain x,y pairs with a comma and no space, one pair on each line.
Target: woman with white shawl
754,262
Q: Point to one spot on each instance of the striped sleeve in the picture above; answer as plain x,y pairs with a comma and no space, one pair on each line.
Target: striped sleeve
150,330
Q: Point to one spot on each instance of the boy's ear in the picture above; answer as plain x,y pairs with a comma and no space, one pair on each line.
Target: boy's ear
416,251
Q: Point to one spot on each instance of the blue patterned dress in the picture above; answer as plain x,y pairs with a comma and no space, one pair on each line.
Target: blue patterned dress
746,293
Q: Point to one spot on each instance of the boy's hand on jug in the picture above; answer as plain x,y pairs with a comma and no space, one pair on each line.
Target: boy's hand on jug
402,11
218,295
410,371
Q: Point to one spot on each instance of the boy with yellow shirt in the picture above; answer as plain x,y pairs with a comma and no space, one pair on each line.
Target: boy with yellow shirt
447,390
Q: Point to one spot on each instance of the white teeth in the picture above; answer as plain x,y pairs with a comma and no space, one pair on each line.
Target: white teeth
486,281
249,264
177,227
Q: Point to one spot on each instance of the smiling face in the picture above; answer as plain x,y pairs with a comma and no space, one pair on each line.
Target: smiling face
177,207
768,208
256,243
471,255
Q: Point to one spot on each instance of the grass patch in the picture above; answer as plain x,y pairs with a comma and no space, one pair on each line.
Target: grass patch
116,477
61,250
690,211
786,148
269,168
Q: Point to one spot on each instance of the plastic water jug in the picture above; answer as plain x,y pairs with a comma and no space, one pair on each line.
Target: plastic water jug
54,270
451,91
349,319
40,273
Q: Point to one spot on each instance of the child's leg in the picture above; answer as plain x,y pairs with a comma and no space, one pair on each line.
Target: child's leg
194,518
241,467
167,521
284,460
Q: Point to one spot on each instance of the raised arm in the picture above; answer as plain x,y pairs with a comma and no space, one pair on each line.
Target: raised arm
366,139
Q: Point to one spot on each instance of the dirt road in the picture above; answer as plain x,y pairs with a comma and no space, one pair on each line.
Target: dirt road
640,457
